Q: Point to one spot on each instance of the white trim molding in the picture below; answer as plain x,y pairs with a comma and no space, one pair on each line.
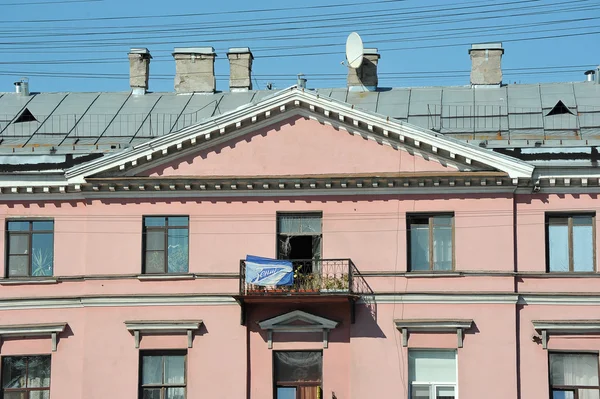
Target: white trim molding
564,327
405,326
34,330
163,327
288,322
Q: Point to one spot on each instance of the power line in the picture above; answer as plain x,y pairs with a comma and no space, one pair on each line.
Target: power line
50,2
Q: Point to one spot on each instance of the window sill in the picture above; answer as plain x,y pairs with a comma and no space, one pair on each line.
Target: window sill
27,281
166,276
443,273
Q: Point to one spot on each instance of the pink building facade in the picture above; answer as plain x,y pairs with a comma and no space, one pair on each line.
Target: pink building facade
431,268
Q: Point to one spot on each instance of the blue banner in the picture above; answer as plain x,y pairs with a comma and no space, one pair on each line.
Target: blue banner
265,271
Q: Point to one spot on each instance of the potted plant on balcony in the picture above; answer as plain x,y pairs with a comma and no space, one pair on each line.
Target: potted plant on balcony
335,283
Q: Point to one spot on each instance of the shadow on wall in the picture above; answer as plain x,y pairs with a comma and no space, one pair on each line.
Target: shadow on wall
366,325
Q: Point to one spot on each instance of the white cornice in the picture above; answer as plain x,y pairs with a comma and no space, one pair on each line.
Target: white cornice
288,322
407,326
163,327
565,327
34,330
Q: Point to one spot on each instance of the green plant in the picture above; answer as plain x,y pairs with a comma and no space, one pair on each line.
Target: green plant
42,260
335,282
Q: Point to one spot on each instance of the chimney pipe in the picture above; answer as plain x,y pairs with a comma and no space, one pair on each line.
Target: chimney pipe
139,70
598,75
301,81
22,87
195,69
590,75
486,60
240,69
364,78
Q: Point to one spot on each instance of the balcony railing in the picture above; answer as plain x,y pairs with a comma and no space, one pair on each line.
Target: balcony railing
313,276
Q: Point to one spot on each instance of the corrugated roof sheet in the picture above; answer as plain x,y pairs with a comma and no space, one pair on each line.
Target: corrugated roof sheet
109,121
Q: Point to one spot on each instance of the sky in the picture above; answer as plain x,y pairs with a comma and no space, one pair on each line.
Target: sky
82,45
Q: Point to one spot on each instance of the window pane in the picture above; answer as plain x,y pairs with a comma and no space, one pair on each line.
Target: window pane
298,366
563,395
558,247
175,393
42,254
442,246
155,262
15,395
18,226
445,220
18,265
582,220
432,366
286,392
46,225
151,394
583,249
18,244
175,369
39,395
299,224
178,221
155,240
154,221
445,393
419,247
574,369
152,371
13,372
178,251
420,392
588,394
38,375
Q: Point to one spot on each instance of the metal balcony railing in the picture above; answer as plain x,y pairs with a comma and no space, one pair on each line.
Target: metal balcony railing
313,276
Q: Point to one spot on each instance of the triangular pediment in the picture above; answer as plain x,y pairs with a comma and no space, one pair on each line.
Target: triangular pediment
305,133
297,320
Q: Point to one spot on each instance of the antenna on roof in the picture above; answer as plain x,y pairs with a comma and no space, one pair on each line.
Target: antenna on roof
354,50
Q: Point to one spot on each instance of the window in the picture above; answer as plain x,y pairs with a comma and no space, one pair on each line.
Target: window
570,243
299,237
30,245
165,244
26,377
298,374
574,375
432,374
430,244
163,375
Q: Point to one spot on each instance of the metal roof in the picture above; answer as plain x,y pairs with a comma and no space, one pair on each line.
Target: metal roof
507,116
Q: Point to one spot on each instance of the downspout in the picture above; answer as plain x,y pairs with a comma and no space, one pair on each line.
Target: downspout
516,291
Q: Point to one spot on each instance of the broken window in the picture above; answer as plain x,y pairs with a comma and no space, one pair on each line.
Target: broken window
299,237
26,116
560,109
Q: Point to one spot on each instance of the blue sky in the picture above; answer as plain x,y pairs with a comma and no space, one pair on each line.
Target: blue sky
78,45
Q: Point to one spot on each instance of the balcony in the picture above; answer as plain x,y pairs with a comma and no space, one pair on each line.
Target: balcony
315,281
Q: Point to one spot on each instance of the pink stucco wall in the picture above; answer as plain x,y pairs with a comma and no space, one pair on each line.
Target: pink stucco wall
98,250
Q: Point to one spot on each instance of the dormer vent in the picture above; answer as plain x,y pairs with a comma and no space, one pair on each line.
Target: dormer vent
560,109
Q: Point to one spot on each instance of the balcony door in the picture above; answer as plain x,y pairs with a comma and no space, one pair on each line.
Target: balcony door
299,238
298,374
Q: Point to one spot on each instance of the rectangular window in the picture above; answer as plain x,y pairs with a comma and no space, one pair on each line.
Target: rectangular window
430,242
570,243
166,244
298,374
299,238
26,377
432,374
163,375
574,375
30,248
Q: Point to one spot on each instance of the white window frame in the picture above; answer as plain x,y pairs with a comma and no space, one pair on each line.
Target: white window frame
433,385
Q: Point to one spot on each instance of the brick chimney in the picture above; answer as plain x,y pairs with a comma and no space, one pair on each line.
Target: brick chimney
139,70
240,69
486,68
364,78
195,70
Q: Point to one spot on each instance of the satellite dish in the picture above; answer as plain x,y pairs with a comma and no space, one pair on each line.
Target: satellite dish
354,50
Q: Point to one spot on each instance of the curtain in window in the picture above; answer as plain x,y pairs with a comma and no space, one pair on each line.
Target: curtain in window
442,243
438,366
298,366
575,369
419,247
299,224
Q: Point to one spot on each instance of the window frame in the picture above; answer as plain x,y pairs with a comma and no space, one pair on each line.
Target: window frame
410,217
569,216
571,388
278,233
433,385
164,229
26,390
29,233
295,384
163,387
